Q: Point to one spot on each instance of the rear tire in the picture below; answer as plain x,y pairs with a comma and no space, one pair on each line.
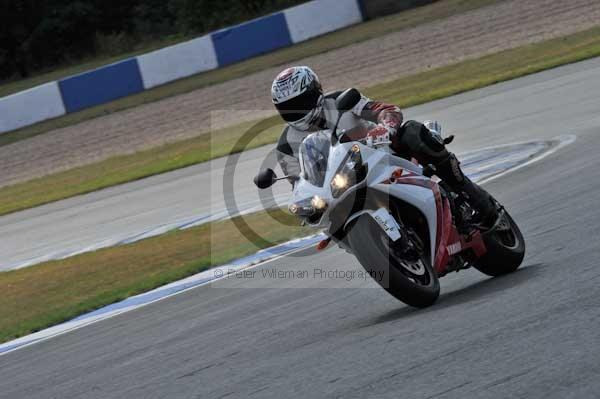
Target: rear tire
416,286
505,250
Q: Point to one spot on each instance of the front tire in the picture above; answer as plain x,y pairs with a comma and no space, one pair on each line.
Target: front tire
505,249
414,284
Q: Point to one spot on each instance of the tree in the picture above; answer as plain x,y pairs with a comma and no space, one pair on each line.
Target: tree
39,34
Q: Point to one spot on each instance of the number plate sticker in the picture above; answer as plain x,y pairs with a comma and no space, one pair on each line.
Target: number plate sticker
387,223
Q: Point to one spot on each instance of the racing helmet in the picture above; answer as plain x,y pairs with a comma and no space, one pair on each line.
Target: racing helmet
298,96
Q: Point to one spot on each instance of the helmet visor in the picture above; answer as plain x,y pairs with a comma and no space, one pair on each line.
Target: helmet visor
298,107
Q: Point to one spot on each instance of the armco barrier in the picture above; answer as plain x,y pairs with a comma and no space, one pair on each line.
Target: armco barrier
30,106
212,51
251,38
101,85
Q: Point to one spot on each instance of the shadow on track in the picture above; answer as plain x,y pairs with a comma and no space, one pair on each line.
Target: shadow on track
472,292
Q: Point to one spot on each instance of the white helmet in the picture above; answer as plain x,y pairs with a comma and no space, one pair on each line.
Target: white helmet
298,96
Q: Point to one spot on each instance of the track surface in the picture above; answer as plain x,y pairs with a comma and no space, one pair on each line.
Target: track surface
532,334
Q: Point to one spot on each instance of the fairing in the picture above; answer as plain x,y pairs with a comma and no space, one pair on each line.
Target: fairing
381,165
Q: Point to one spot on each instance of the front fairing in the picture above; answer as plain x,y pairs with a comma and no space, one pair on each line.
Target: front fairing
380,165
413,188
307,188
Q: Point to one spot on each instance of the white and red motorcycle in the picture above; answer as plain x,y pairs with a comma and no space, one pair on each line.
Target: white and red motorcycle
397,221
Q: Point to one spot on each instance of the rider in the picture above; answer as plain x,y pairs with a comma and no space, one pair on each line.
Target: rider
298,96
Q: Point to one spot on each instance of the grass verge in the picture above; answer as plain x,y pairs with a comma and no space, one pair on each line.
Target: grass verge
39,296
412,90
345,37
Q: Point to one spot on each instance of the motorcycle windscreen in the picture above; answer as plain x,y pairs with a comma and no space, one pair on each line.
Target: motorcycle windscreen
315,153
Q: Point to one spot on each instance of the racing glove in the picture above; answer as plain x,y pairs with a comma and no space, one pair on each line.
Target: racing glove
380,135
388,118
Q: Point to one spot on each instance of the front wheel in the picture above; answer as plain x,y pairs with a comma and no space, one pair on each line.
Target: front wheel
505,248
411,281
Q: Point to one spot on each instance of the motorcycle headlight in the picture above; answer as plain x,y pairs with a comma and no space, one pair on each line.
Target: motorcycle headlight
350,172
309,207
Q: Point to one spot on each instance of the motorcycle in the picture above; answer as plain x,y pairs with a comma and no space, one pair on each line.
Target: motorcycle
392,215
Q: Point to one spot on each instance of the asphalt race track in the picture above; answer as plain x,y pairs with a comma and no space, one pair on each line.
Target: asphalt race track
532,334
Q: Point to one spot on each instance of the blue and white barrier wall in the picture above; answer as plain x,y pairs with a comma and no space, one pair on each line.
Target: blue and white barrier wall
101,85
176,62
321,16
30,106
217,49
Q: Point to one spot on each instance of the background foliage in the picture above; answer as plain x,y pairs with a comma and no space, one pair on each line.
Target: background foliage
38,35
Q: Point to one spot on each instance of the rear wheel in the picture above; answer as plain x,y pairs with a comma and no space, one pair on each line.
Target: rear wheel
505,248
412,281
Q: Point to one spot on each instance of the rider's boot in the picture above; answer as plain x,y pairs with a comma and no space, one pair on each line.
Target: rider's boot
449,171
